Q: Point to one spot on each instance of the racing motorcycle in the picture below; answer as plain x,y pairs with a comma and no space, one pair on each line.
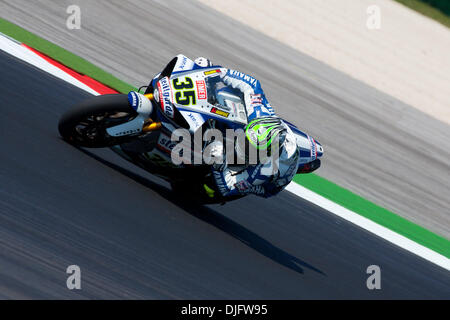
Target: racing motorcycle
139,126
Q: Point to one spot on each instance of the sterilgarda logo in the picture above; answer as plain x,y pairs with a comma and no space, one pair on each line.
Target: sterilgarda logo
210,72
165,144
220,182
164,93
134,100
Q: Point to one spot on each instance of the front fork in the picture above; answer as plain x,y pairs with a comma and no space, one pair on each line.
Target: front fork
142,123
150,125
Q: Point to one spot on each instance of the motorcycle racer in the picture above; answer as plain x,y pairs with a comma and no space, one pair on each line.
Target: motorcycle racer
187,128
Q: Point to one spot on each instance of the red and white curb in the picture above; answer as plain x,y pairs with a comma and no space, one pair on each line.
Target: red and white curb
45,63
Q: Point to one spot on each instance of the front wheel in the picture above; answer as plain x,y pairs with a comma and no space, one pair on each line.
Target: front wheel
85,124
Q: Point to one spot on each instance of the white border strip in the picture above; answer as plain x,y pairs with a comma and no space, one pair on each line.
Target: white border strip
21,52
370,226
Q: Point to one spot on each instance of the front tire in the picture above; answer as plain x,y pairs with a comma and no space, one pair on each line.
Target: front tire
85,124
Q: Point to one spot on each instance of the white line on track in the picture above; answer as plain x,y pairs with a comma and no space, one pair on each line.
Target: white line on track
369,225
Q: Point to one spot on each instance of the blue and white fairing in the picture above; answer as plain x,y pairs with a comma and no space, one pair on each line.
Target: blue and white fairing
190,90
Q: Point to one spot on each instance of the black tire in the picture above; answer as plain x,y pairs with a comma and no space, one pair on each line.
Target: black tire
85,124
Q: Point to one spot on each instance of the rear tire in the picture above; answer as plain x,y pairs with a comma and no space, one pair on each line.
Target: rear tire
85,124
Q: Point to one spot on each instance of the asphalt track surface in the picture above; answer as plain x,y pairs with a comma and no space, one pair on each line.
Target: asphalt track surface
133,239
375,145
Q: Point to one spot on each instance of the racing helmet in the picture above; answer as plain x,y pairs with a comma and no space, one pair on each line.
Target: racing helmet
266,136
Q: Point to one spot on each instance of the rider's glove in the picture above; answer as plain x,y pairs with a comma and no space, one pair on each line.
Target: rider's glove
208,191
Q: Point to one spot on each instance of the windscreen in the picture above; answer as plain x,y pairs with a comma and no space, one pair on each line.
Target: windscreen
221,95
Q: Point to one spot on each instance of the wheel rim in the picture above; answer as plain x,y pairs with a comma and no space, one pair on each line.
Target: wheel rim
92,128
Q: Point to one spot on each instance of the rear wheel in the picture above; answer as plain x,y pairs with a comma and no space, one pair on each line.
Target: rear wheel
85,124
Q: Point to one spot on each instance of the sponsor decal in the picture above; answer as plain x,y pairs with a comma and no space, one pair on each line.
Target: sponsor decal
134,100
257,190
123,133
194,120
220,183
164,95
256,99
256,171
201,89
219,112
165,144
169,111
313,148
243,76
244,187
210,72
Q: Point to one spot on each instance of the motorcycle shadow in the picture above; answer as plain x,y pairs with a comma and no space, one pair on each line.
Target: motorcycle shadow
217,220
